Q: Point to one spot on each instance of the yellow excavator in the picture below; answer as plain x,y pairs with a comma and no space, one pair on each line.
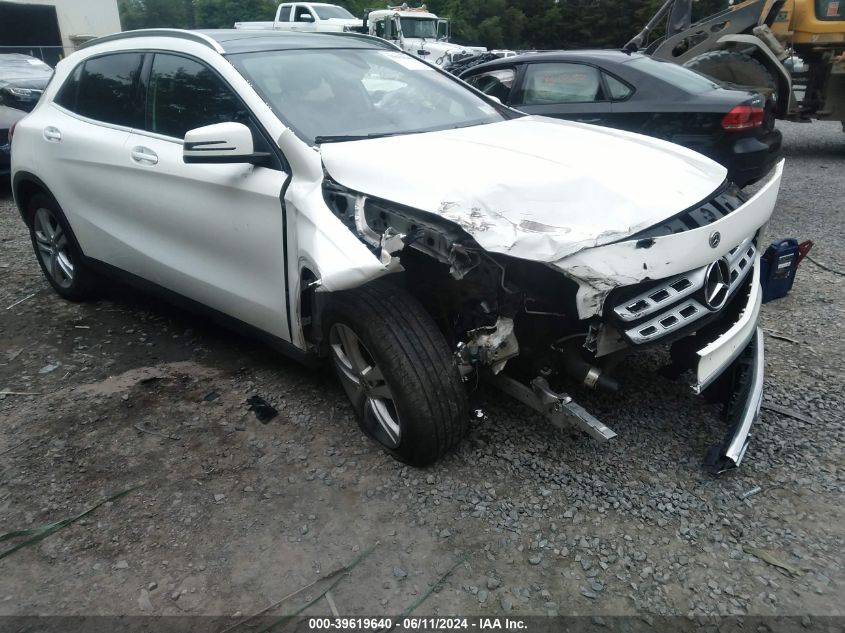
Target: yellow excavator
793,51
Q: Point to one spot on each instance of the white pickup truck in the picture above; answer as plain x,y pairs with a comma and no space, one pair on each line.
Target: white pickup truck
414,30
307,16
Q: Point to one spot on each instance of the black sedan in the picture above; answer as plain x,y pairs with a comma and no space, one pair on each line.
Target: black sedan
637,93
22,80
8,117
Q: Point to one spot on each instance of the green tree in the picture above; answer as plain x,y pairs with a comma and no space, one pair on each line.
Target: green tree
143,14
222,14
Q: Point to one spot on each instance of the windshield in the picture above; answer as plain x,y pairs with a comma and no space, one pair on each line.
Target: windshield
360,92
416,27
329,12
680,77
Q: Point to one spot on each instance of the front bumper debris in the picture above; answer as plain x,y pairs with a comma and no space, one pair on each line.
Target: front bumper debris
558,408
742,408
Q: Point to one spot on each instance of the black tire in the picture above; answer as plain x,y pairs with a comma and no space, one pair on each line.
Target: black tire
734,67
398,338
59,252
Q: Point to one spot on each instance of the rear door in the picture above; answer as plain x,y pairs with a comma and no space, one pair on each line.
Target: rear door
564,90
85,131
213,233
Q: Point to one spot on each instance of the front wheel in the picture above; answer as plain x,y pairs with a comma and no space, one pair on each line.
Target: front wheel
397,370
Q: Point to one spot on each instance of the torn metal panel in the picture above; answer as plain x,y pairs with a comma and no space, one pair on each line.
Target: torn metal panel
516,188
600,270
337,257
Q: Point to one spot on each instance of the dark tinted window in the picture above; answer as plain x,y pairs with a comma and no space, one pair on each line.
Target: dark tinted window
184,94
496,83
107,89
68,92
284,13
560,83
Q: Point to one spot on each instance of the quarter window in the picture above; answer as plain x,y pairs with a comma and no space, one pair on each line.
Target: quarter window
184,94
618,90
496,83
105,89
560,83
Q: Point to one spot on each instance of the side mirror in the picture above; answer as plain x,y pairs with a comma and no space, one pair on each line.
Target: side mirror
305,17
221,143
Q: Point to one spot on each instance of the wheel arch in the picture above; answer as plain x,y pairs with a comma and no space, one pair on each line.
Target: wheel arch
25,186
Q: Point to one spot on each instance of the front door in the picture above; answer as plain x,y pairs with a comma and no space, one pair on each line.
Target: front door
213,233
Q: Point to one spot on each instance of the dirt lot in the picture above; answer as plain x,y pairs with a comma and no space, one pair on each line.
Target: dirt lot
233,514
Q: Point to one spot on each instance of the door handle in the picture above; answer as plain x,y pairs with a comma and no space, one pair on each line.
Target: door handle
144,155
52,134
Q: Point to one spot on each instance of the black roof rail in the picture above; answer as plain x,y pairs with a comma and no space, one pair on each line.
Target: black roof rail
192,36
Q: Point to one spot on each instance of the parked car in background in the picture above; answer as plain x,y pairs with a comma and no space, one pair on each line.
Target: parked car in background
637,93
257,177
8,117
22,80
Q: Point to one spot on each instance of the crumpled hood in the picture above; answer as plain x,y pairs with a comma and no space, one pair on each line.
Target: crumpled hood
533,187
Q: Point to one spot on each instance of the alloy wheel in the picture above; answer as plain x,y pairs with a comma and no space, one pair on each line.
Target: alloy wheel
52,245
364,380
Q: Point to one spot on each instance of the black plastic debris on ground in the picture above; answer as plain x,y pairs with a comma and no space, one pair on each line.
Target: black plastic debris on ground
211,396
262,409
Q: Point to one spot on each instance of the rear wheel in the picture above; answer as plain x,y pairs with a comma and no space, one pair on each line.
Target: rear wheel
397,370
58,255
735,67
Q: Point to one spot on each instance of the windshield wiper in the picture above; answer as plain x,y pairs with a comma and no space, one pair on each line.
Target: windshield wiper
340,138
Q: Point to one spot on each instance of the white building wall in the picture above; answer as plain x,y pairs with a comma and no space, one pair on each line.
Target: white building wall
82,19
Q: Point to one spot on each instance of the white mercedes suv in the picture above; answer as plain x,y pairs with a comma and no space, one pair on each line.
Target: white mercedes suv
340,198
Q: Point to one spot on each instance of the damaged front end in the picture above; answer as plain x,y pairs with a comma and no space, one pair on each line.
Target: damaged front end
532,327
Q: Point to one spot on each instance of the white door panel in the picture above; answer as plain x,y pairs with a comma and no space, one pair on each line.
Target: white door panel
83,158
213,233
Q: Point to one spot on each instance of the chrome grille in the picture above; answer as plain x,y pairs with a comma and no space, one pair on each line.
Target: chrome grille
671,305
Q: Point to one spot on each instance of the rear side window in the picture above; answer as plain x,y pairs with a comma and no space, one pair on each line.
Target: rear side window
560,83
284,13
184,94
496,83
106,90
678,76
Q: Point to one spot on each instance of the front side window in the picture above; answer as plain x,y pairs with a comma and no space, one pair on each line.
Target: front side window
496,83
360,92
550,83
303,14
184,94
106,89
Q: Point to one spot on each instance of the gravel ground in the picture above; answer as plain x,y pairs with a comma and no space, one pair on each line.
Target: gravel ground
233,514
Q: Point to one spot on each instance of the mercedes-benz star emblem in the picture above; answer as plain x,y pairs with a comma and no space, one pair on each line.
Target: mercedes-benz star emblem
715,238
717,283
